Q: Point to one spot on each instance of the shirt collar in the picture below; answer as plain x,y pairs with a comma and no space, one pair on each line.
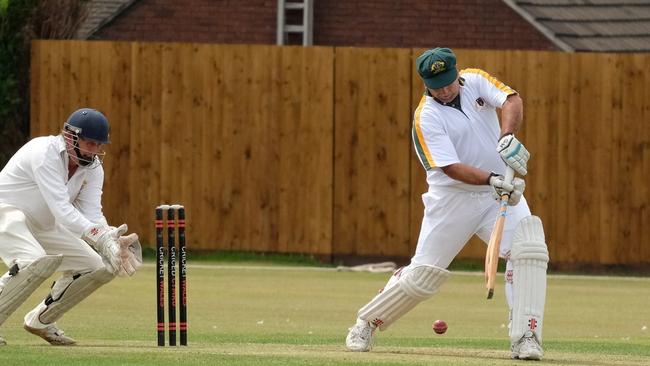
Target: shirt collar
60,144
454,103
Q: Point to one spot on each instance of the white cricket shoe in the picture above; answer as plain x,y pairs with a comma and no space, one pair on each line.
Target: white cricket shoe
2,341
359,338
527,348
52,334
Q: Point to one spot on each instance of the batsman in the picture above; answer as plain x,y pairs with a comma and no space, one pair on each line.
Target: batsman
51,220
466,151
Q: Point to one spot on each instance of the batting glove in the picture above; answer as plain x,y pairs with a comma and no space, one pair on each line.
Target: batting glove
514,190
513,153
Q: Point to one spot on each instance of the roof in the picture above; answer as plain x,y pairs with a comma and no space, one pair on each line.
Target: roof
99,13
590,25
572,25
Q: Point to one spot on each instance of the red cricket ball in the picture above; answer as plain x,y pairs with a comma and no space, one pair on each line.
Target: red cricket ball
439,326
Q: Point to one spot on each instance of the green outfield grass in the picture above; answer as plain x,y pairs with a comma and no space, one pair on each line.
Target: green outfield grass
241,314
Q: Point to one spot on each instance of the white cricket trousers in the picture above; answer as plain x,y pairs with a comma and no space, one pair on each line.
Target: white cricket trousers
452,216
22,242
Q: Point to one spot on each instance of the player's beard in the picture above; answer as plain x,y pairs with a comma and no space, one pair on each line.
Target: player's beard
78,158
447,98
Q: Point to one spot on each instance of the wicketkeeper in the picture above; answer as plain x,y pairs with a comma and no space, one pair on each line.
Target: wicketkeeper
51,220
464,150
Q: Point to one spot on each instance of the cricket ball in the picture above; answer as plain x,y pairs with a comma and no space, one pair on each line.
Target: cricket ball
439,326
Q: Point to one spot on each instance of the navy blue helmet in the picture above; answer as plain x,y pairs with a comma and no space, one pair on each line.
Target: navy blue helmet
89,124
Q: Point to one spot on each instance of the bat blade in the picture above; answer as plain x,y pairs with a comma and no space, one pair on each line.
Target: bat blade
494,245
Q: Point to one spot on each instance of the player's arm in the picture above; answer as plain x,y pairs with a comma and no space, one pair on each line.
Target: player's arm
89,198
466,173
512,114
89,202
499,95
512,151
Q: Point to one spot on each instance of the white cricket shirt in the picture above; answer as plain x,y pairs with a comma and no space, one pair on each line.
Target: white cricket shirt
35,180
443,135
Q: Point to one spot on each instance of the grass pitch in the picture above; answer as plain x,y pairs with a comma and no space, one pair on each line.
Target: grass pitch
280,315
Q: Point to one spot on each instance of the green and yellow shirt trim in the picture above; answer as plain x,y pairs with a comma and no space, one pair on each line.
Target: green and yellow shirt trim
418,139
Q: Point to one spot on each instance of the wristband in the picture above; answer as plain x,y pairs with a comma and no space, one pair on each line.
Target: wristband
506,134
492,174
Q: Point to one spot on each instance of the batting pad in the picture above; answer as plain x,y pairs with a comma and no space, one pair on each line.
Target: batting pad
529,256
25,281
417,285
68,291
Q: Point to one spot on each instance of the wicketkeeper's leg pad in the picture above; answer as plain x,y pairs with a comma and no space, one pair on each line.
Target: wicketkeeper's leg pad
529,256
21,282
67,292
414,286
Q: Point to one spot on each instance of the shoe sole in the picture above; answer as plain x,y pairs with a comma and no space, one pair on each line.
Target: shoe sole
66,341
535,357
358,349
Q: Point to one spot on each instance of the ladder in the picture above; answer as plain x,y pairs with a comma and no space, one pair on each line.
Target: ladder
306,28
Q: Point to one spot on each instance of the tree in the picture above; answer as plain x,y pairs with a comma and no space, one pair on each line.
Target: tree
20,22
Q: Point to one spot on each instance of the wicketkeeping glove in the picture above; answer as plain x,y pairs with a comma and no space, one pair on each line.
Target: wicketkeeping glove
101,239
116,232
130,250
130,254
514,153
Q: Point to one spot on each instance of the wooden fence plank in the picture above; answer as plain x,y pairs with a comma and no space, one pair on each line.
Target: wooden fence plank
610,112
145,135
37,97
111,92
372,145
628,170
644,189
541,136
79,71
305,148
225,148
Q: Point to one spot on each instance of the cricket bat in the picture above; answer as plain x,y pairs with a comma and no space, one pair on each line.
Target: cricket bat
492,253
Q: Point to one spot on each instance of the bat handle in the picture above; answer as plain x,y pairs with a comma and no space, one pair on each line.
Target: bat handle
510,174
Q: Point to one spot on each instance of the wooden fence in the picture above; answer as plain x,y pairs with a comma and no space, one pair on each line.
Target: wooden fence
307,150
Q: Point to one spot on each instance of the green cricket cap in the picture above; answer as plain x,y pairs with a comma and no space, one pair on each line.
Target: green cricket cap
437,67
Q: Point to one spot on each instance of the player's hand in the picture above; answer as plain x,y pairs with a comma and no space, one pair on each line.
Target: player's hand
101,239
514,153
497,181
514,190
